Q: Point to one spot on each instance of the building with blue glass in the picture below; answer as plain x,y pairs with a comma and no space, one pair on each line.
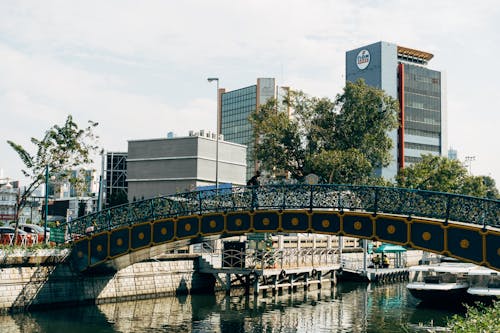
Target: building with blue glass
403,74
234,109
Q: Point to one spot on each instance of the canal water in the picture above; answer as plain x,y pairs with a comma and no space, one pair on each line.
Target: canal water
348,307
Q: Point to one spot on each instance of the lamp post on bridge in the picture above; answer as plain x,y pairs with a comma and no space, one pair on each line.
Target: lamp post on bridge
211,79
46,203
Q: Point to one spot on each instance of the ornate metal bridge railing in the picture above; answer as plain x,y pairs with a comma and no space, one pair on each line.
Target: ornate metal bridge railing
389,200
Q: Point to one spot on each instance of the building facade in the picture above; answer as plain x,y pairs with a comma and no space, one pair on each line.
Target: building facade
234,109
115,173
403,74
166,166
8,201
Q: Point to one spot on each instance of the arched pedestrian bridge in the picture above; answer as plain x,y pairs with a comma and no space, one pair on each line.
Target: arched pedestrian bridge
463,227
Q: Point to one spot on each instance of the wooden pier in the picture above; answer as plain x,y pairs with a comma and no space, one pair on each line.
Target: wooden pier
274,280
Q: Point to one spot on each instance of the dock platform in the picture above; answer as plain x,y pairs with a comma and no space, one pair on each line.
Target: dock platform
274,280
374,274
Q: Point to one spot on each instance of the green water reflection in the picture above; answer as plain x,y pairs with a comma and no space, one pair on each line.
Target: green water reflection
348,307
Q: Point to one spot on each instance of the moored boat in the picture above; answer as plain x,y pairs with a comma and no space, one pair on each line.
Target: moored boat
484,284
444,282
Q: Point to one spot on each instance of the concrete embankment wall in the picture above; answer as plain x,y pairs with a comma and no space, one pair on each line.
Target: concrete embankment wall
32,285
43,279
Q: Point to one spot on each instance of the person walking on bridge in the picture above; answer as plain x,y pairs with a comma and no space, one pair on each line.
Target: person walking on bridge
253,183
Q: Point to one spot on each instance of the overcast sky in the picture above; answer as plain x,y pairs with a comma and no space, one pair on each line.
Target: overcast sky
139,68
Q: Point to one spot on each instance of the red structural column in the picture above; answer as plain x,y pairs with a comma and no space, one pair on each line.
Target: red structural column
401,136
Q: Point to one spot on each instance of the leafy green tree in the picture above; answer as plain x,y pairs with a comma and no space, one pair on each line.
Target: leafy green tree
437,173
491,188
479,318
342,141
62,149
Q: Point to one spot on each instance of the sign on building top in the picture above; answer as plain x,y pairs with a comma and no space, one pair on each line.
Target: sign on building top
363,59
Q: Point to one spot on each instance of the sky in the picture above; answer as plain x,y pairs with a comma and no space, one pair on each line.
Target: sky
140,68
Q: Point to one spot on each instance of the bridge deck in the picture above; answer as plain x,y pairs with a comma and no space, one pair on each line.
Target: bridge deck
462,227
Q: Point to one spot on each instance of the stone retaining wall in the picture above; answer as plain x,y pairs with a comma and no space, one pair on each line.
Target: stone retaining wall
42,284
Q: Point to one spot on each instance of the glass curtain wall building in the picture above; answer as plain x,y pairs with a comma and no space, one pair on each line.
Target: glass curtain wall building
403,74
235,107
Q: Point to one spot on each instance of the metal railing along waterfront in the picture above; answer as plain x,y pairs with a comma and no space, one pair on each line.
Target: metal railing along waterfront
377,200
274,258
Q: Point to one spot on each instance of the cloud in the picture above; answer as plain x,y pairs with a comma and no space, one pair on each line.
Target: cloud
140,69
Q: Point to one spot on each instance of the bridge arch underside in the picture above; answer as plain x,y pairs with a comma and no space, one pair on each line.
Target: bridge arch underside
125,245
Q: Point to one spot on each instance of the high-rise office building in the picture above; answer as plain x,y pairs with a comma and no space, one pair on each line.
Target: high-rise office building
236,106
402,73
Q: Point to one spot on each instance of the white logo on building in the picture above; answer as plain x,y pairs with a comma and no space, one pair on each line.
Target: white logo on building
363,59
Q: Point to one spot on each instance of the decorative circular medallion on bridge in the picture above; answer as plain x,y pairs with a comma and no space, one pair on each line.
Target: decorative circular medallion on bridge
238,222
358,224
325,222
266,221
141,235
188,227
464,244
163,231
426,236
294,221
119,241
391,229
80,254
98,248
492,247
212,224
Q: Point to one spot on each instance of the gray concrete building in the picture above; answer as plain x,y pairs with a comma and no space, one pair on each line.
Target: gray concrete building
172,165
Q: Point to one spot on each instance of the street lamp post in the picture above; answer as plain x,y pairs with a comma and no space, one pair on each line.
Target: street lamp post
46,203
211,79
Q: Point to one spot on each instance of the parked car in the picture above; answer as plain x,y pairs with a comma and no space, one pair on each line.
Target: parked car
7,235
35,229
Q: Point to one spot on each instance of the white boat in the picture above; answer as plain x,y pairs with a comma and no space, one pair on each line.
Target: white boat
443,282
484,284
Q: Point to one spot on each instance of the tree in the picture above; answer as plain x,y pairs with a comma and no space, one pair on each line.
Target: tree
341,141
491,189
479,318
437,173
61,149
